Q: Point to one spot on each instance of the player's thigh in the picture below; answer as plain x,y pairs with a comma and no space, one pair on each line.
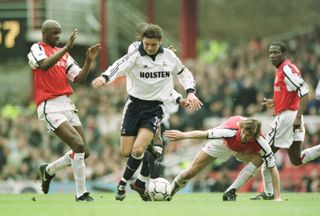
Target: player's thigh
200,161
126,145
158,137
281,134
68,134
143,139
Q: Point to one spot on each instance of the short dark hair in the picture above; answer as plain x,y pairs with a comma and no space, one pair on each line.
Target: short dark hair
282,46
152,31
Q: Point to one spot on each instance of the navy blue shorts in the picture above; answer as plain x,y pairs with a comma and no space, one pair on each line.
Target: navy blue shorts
141,114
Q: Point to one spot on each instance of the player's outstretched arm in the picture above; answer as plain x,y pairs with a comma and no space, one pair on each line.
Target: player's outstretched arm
276,183
47,63
92,53
178,135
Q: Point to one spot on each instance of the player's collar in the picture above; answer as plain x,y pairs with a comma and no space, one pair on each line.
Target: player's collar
143,52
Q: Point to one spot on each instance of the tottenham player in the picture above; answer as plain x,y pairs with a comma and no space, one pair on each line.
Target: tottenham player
51,67
289,101
239,137
149,71
151,164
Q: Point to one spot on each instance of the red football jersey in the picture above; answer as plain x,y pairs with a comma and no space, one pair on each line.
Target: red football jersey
52,82
234,142
284,99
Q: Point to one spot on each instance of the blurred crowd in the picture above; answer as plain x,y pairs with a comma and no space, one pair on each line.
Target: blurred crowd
233,83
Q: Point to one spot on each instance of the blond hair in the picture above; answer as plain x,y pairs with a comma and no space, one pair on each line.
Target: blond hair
251,126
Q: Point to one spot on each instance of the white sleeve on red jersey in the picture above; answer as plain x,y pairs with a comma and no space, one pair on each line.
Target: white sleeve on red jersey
220,133
266,152
294,82
72,68
35,55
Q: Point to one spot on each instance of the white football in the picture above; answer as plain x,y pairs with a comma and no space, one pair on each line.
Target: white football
159,189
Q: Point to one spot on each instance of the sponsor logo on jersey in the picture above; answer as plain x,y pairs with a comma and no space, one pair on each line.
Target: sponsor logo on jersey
276,88
155,74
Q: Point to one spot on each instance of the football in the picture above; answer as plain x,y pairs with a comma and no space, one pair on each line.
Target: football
159,189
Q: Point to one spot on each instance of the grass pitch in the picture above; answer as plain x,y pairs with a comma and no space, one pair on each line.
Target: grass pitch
294,204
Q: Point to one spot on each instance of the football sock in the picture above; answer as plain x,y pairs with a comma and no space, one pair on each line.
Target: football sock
178,183
79,172
144,172
132,166
59,164
246,173
267,180
310,154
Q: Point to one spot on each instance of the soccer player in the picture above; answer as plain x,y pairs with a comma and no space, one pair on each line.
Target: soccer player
51,67
238,136
287,131
149,71
155,149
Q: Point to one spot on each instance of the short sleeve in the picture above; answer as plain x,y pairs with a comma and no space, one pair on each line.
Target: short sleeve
72,68
35,55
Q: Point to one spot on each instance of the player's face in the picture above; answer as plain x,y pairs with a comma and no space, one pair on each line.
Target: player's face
245,135
151,45
52,36
276,56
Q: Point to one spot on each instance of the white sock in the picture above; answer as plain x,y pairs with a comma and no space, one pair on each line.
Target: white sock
267,180
310,154
245,174
79,172
178,183
59,164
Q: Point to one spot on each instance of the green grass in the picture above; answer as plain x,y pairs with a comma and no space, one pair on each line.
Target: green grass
294,204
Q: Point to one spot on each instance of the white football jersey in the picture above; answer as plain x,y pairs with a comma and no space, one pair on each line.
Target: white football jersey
149,79
133,46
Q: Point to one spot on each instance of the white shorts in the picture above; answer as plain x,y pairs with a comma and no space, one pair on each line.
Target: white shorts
217,149
55,111
281,132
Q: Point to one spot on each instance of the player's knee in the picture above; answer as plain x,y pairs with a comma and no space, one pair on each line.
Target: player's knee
79,146
138,151
296,162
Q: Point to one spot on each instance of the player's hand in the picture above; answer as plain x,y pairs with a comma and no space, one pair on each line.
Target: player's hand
172,48
195,103
173,134
268,103
184,103
72,38
98,82
93,51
